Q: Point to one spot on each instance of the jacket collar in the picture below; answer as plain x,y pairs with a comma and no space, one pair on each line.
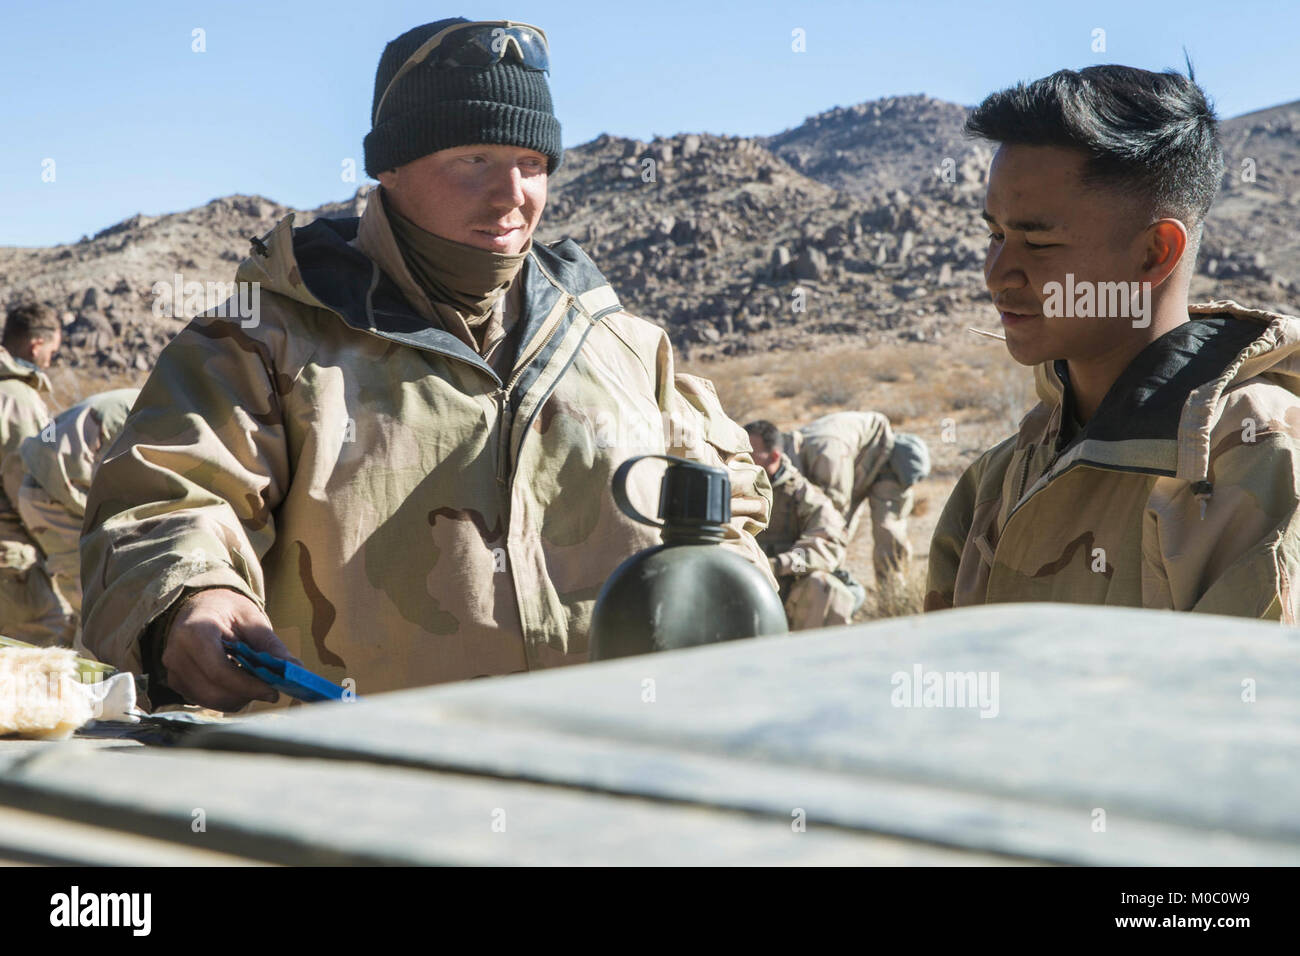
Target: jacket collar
376,241
353,268
1159,414
13,367
786,472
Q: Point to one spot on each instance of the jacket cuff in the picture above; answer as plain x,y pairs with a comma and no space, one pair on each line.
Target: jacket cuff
153,642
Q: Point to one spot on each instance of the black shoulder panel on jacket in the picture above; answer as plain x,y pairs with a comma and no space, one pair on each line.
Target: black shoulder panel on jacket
571,266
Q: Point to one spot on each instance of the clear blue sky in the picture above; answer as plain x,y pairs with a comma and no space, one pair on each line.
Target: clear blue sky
137,122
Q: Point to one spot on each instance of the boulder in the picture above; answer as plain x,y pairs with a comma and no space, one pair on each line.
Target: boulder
811,264
779,262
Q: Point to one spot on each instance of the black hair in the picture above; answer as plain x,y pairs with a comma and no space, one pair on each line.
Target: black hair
770,434
29,321
1151,135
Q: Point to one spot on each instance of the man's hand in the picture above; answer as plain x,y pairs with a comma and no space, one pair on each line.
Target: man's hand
197,666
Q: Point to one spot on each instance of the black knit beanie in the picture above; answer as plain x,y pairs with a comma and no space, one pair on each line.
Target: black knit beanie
430,109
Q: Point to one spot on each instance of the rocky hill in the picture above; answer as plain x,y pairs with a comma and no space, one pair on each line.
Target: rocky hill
862,223
105,282
726,244
1254,228
895,143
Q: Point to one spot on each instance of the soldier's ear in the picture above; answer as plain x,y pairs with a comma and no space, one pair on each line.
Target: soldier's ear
1166,241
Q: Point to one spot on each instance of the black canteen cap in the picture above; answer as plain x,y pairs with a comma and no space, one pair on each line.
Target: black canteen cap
692,493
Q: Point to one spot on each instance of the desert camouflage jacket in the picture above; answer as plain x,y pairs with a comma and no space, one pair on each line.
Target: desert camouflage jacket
404,515
22,414
1181,492
806,533
64,466
843,453
60,463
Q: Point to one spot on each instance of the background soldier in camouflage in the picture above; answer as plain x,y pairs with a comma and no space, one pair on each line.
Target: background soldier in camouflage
1160,467
59,464
805,540
402,460
848,455
30,607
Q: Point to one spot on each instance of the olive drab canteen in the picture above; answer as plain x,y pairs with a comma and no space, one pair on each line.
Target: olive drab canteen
688,590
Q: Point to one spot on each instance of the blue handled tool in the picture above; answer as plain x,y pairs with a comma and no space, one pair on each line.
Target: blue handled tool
284,675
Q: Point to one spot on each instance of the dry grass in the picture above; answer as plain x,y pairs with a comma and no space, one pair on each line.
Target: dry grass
912,383
895,599
72,385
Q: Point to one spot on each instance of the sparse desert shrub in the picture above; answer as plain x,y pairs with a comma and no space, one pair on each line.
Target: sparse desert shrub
896,598
835,392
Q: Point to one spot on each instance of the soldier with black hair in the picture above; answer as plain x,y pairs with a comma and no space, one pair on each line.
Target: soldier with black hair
1159,468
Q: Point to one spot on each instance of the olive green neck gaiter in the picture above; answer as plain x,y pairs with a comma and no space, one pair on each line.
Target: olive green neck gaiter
469,279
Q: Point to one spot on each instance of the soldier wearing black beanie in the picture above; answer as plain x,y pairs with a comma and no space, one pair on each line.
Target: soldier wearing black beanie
434,106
